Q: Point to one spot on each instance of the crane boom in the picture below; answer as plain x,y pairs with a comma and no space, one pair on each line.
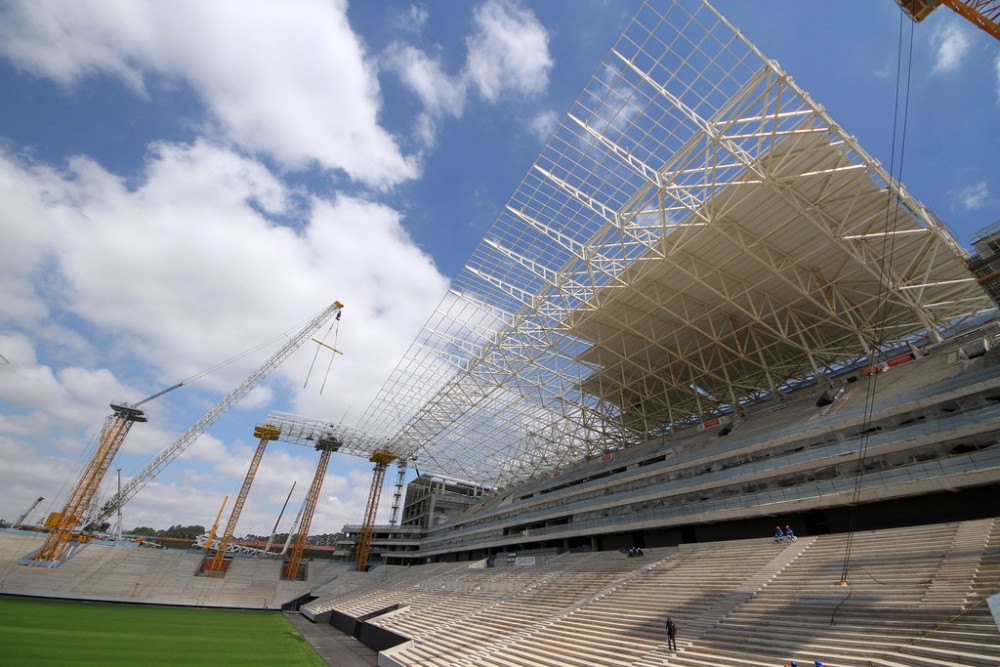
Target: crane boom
20,519
177,447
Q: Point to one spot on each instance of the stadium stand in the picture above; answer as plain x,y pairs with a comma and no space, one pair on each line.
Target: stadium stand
154,576
914,597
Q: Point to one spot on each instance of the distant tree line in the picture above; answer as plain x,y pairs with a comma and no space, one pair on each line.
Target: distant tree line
194,532
178,531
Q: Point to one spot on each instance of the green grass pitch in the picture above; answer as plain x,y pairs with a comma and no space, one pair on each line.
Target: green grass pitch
54,632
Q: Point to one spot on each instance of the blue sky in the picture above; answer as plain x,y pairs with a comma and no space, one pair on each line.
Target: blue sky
184,180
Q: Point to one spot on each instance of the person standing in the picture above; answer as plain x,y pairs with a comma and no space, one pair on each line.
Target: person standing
671,635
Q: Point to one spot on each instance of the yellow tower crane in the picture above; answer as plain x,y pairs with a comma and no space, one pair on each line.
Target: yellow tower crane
985,14
381,458
217,566
215,526
116,427
326,446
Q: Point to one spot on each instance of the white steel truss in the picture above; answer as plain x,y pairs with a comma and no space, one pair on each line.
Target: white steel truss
697,234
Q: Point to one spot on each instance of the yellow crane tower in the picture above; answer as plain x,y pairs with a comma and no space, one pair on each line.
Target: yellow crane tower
985,14
381,458
215,526
326,446
216,567
116,427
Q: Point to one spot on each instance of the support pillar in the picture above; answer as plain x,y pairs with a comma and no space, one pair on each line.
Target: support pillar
266,434
326,446
381,458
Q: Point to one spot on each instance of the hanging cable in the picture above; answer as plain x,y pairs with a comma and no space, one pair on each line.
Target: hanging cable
319,344
336,335
878,337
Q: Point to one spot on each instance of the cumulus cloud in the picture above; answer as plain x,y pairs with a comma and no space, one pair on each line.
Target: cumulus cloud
950,43
508,51
169,273
973,196
412,20
440,94
289,81
185,269
507,54
544,124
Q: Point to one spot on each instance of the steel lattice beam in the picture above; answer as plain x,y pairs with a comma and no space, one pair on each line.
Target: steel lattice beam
697,233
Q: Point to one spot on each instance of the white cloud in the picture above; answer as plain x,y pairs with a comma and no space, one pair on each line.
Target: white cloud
440,94
172,272
508,51
997,68
28,474
951,43
412,20
973,196
544,124
288,80
50,403
185,272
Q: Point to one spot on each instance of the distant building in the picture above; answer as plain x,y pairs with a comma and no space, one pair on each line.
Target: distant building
985,263
431,500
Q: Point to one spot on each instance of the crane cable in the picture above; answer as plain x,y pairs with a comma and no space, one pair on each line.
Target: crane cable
319,344
882,298
222,364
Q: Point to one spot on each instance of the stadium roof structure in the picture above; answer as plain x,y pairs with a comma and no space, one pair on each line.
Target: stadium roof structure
697,234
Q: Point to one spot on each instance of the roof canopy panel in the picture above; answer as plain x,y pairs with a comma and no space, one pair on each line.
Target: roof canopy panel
696,232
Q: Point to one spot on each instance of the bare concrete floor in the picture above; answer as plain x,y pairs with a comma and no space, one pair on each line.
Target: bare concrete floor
336,648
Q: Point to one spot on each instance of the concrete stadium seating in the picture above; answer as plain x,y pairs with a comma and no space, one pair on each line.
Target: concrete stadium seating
160,576
915,597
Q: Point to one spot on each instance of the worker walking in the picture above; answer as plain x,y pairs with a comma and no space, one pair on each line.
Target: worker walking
671,635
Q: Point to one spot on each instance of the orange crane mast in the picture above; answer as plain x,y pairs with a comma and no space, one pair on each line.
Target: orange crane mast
215,526
326,446
266,434
116,427
381,458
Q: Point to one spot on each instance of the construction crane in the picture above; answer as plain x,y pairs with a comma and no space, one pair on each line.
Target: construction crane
984,14
116,427
210,538
266,435
178,446
326,446
20,519
381,458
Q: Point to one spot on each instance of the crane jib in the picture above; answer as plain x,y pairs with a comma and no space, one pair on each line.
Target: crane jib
178,446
